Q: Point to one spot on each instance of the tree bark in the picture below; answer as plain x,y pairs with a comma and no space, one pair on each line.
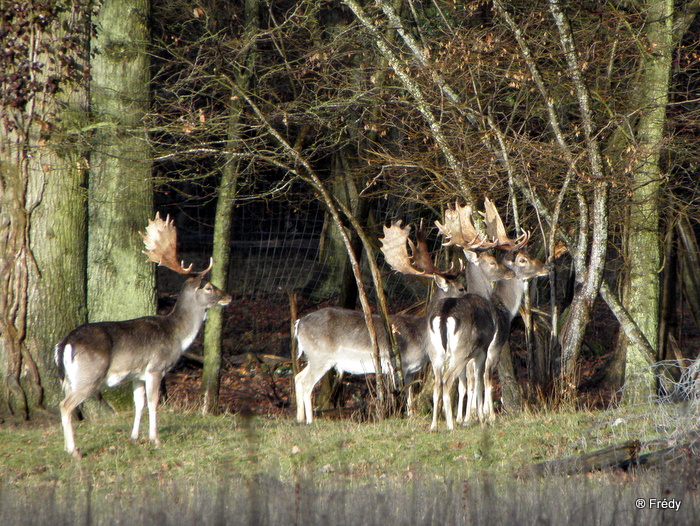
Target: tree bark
641,295
42,205
228,187
120,197
221,254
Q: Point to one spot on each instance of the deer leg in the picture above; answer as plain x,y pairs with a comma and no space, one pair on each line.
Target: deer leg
304,383
479,385
68,405
471,400
447,386
408,383
152,393
489,414
437,360
83,377
461,393
139,389
299,393
437,394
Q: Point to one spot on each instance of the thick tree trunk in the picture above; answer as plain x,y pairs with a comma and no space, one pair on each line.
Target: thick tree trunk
42,205
120,282
56,293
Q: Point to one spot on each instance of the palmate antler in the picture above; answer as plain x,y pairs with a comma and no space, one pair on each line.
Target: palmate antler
395,249
496,230
160,241
459,229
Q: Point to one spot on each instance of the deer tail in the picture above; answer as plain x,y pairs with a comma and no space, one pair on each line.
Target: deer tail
60,358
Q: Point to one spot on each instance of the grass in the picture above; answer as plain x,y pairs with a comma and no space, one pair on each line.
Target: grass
226,467
195,444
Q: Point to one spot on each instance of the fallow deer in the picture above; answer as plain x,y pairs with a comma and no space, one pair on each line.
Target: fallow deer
505,295
141,350
338,338
461,329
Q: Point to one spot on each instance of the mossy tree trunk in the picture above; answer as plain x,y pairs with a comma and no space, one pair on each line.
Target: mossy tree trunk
642,295
120,281
42,201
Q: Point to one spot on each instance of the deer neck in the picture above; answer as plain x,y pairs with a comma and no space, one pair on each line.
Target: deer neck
185,320
510,293
478,283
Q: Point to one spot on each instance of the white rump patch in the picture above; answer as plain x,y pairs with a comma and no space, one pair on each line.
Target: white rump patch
69,365
451,334
436,342
300,350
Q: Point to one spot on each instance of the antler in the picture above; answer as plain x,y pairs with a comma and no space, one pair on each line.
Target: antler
160,241
394,248
459,229
496,230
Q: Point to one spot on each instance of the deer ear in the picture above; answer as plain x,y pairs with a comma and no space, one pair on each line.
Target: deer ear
471,256
441,282
509,257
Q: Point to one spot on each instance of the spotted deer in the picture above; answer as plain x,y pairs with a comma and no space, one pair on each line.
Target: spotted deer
141,350
461,329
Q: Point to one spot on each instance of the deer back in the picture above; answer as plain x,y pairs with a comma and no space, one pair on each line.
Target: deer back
339,338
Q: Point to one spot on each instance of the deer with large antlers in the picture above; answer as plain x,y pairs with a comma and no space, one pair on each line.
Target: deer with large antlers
461,329
505,295
141,350
338,338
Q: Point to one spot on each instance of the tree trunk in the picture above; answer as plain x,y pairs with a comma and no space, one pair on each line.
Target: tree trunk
690,267
643,245
56,294
221,252
228,187
511,393
580,310
120,199
333,256
221,256
42,210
